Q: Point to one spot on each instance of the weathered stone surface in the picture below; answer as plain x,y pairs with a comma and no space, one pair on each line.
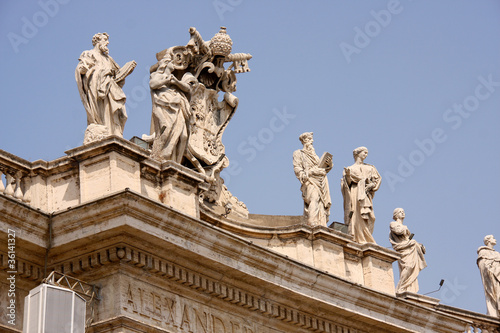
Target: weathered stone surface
100,81
488,261
359,183
412,259
311,172
193,102
162,269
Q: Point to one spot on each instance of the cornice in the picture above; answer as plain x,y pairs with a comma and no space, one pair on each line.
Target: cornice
221,249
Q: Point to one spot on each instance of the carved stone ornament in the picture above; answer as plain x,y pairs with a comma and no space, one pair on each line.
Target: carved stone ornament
189,117
100,81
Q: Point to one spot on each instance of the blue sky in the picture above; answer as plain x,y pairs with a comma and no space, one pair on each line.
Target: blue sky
417,82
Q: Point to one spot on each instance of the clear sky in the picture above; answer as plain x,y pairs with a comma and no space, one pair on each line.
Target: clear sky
417,82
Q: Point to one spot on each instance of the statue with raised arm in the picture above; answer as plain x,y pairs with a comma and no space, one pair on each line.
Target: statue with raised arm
311,172
488,261
100,81
172,117
412,253
359,183
192,95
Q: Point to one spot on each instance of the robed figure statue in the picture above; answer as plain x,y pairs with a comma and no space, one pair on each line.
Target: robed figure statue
488,261
311,172
359,183
100,81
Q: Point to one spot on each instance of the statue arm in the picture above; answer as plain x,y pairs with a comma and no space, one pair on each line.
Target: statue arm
377,180
86,62
298,168
352,175
180,84
399,229
373,181
157,80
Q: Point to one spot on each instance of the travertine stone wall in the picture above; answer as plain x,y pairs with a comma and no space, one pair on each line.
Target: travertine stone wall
110,216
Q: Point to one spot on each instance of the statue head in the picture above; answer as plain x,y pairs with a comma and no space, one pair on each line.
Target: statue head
489,239
397,213
358,151
102,40
306,137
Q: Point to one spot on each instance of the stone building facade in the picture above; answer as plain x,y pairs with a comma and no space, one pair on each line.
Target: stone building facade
166,261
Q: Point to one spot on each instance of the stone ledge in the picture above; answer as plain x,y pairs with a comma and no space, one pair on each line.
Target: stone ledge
138,219
31,225
232,254
111,143
426,301
9,329
377,251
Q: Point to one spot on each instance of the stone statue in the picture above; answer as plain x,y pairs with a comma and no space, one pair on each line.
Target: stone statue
358,184
488,261
100,81
311,172
188,116
412,253
172,116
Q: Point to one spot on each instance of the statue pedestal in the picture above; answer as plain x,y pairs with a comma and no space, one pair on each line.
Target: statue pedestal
181,188
377,267
115,164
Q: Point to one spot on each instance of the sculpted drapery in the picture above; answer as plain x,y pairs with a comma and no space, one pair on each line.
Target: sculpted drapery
192,97
172,116
359,183
412,253
314,183
488,261
100,83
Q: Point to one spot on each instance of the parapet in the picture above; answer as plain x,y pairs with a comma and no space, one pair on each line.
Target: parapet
102,168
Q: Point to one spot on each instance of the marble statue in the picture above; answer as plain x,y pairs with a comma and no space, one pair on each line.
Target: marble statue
412,253
488,261
359,183
193,102
311,172
100,81
172,115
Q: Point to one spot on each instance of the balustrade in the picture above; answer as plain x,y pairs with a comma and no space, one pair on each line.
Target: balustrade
16,173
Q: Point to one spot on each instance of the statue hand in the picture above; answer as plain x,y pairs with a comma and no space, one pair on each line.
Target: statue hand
347,172
82,69
318,171
303,177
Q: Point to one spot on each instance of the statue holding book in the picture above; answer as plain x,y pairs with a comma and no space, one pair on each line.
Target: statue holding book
311,172
100,81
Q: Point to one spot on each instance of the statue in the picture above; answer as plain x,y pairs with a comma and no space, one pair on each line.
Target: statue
172,116
358,184
311,172
412,253
188,116
100,81
488,261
